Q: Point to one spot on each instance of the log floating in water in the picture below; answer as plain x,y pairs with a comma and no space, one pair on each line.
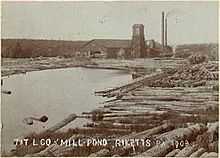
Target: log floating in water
6,92
199,83
173,153
169,98
167,138
213,146
134,114
209,136
111,67
204,155
49,151
55,150
158,150
30,120
105,124
139,135
50,131
88,130
100,153
198,153
61,124
187,151
212,154
131,120
142,135
185,133
213,131
149,132
213,127
118,91
56,127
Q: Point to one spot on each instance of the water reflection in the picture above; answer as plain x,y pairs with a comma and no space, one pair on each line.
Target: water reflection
54,93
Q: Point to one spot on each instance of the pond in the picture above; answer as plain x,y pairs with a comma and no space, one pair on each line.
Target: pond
54,93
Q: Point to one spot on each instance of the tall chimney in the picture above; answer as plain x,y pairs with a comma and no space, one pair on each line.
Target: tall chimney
138,41
162,30
165,34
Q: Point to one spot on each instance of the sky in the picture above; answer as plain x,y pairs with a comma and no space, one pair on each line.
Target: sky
188,22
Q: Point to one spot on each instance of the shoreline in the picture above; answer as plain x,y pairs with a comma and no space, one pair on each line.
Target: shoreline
11,66
52,68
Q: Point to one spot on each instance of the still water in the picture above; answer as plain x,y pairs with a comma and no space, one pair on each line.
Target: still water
54,93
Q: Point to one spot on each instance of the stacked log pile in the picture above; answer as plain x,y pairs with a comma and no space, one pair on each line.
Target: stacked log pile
189,76
146,118
181,97
180,121
197,58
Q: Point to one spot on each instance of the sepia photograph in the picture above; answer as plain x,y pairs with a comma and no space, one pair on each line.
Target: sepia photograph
109,79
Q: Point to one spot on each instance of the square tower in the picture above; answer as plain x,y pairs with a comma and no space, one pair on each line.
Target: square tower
138,41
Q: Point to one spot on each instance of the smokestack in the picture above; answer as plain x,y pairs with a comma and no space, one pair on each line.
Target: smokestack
165,38
162,30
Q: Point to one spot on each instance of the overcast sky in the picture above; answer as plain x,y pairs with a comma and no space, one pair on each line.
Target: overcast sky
188,22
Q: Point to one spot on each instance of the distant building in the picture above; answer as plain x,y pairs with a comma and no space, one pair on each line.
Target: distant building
107,48
137,47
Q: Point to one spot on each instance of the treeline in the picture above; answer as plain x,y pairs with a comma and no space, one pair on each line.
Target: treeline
24,48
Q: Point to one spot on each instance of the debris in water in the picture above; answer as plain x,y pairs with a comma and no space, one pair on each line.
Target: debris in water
30,120
6,92
43,118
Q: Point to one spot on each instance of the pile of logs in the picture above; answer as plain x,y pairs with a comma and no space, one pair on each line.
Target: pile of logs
170,143
184,76
179,120
202,71
189,76
197,58
118,92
